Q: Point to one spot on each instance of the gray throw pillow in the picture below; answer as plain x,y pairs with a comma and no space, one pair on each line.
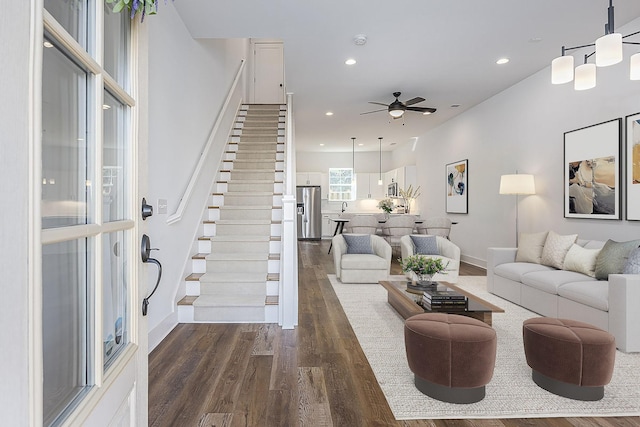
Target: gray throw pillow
358,244
612,258
425,245
633,262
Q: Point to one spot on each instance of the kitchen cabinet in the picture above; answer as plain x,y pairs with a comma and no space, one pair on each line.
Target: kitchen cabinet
315,178
368,188
404,176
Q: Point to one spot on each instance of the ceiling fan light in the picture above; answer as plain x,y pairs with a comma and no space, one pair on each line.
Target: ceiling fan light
634,72
609,49
585,77
562,70
426,113
396,113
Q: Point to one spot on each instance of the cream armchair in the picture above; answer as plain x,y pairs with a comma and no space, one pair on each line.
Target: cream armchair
449,252
362,268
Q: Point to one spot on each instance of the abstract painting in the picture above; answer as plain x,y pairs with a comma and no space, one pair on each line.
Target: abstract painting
633,167
592,171
457,176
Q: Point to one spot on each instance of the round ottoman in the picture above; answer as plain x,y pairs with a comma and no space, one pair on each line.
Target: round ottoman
569,358
451,356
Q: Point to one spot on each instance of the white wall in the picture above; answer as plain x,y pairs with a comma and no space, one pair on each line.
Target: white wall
365,161
14,215
522,128
188,83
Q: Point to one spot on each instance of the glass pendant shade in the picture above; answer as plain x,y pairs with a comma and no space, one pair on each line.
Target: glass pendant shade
396,113
634,73
585,77
562,70
379,182
609,50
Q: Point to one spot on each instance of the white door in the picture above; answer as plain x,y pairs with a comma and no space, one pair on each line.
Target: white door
268,73
91,358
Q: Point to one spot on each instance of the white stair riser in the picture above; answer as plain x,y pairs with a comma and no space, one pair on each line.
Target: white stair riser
193,288
239,175
239,247
243,229
225,266
198,266
240,186
254,164
271,314
232,288
273,266
259,214
273,288
229,314
247,200
276,230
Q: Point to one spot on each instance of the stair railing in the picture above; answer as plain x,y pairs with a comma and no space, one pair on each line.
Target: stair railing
184,200
288,291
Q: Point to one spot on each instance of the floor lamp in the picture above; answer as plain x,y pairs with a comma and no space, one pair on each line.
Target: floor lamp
518,184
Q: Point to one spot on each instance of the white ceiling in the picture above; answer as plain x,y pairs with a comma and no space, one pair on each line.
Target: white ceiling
441,50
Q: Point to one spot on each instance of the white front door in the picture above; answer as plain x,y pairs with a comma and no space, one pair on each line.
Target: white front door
268,73
92,358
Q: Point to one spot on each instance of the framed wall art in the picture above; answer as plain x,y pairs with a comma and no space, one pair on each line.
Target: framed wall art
632,176
592,168
457,178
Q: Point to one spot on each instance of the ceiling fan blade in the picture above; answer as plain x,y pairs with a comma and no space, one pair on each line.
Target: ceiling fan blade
378,103
374,111
414,101
422,109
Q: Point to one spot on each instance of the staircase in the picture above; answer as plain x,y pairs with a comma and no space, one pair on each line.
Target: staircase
235,272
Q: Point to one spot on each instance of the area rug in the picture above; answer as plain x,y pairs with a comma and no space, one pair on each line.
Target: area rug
511,392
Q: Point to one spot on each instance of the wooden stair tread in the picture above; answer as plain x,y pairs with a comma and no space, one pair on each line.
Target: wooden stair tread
271,300
273,277
193,277
187,300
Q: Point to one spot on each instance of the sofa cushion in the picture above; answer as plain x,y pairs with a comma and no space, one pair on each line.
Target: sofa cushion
425,245
549,281
556,247
594,293
530,247
363,262
632,266
515,270
612,257
581,260
358,243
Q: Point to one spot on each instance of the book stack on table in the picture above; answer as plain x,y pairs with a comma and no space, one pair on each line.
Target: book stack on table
443,300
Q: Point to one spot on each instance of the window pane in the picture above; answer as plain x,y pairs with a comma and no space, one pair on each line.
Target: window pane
114,155
66,163
114,295
65,277
72,15
116,44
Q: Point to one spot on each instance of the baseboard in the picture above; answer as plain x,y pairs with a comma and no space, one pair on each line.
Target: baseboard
482,263
160,332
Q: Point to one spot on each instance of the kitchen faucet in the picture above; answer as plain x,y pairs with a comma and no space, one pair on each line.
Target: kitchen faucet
344,206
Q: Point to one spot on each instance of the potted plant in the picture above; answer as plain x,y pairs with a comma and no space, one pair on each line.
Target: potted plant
386,205
424,267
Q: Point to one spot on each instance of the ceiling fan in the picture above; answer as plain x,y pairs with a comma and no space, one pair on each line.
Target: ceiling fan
397,108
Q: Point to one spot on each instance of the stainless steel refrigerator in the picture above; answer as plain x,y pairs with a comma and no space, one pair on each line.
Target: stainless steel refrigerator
309,214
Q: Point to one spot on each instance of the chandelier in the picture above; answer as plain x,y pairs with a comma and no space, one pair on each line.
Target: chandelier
608,51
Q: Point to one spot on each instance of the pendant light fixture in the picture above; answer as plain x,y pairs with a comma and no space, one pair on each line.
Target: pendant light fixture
380,170
353,154
607,51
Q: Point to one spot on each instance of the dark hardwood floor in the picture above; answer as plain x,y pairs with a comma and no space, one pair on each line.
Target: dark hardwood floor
315,375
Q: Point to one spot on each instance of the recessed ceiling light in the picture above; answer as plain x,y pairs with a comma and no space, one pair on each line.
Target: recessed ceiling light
360,144
321,145
48,44
328,113
350,61
502,61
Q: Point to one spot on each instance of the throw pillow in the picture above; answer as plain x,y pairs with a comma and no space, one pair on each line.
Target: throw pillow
612,257
633,262
581,260
358,244
425,245
555,249
530,247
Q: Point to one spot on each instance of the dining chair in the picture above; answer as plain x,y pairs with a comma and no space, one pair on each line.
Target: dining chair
436,227
363,224
396,227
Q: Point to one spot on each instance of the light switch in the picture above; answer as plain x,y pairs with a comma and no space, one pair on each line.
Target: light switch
162,206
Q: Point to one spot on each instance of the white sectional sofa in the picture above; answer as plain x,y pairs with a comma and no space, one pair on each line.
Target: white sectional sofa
613,304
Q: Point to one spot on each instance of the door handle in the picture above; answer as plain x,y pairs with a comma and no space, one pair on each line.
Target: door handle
145,251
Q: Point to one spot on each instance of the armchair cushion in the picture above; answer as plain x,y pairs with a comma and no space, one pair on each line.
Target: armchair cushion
425,245
358,244
448,252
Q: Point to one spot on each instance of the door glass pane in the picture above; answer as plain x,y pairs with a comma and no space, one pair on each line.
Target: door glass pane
116,44
72,15
66,163
65,283
114,155
114,295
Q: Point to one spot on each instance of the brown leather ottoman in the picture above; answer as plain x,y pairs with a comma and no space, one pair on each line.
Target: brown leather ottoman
452,356
569,358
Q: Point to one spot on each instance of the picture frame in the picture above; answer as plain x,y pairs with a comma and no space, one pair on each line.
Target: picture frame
592,171
632,172
457,187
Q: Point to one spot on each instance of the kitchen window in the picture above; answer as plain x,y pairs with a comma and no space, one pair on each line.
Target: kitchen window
342,184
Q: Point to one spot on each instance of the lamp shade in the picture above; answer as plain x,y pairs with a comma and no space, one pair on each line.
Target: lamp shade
635,67
517,184
609,50
562,70
585,77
